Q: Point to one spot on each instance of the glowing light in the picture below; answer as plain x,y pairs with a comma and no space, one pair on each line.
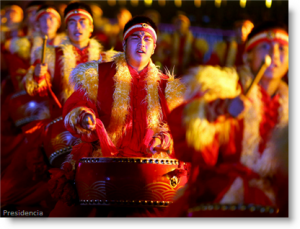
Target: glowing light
162,2
32,104
134,2
148,2
111,2
178,3
243,3
218,3
268,3
122,2
197,3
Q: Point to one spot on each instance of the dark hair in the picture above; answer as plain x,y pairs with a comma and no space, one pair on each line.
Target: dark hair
46,6
77,5
35,3
139,19
267,25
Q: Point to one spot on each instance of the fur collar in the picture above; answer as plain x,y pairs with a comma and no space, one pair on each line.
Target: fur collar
68,60
85,76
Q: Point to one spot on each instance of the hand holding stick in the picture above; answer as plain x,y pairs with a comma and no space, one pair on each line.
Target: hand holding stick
43,62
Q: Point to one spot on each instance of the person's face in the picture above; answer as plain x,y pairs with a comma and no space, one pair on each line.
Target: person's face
13,16
139,48
79,28
48,24
280,59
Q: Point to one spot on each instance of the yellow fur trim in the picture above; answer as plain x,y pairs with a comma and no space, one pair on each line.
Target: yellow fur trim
121,98
21,46
264,164
85,76
68,60
71,119
217,83
174,91
30,84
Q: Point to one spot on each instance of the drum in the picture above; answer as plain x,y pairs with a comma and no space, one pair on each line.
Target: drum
58,142
24,108
231,210
144,182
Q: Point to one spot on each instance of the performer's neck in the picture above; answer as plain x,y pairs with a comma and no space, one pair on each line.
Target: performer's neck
50,36
137,66
270,85
81,44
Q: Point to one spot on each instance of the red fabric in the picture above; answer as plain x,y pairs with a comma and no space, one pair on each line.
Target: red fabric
134,142
219,165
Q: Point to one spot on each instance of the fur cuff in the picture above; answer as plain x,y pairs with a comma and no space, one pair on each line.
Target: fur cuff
32,87
74,117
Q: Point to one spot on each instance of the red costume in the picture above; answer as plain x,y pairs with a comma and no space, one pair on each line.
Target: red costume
118,109
131,106
31,164
233,161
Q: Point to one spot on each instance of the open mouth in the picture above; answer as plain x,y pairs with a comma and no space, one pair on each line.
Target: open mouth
141,51
78,34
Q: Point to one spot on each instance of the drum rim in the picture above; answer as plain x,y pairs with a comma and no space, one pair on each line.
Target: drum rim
264,209
133,160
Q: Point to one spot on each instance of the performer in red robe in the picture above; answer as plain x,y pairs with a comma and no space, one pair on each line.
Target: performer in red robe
21,108
17,185
126,100
227,136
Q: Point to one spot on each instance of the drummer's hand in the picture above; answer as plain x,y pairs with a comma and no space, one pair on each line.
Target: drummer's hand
88,122
40,70
156,142
238,106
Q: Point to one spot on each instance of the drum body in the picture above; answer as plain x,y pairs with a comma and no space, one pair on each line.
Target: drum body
24,108
145,182
231,210
58,142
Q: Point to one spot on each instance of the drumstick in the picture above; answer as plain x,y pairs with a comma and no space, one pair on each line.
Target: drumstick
260,73
43,62
162,150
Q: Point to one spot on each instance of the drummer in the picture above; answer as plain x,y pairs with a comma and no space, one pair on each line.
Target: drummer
236,151
130,97
122,103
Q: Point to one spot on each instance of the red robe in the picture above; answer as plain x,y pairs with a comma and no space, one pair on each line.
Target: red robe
133,143
18,186
216,167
